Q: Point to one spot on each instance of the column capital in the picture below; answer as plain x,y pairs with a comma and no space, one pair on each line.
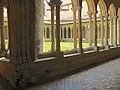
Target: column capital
89,14
74,9
79,8
115,17
95,12
118,17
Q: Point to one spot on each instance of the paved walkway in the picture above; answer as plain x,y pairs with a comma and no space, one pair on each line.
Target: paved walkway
102,77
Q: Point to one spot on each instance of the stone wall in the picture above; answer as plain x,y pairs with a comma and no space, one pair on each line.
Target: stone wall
44,69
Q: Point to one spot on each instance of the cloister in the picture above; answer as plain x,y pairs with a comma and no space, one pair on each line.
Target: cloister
22,62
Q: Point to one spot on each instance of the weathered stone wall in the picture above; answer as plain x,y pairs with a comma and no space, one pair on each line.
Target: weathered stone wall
45,69
7,70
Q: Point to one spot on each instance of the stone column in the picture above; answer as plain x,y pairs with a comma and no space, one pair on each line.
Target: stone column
115,31
106,33
80,30
52,29
21,21
102,30
111,31
2,37
39,26
118,34
58,26
74,28
95,28
90,29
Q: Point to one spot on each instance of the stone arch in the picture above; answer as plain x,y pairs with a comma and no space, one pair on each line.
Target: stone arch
90,3
103,7
112,10
118,12
74,3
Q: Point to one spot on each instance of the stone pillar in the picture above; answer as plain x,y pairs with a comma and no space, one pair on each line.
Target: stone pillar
90,29
95,31
118,34
21,21
95,28
80,30
2,37
106,33
74,28
58,26
39,26
102,30
115,31
52,28
111,31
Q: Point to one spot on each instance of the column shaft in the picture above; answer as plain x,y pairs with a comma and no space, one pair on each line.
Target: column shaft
74,29
52,29
58,28
111,31
106,30
80,30
95,29
102,30
118,35
90,29
115,31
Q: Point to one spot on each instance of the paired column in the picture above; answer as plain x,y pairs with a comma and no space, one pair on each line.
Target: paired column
106,32
58,26
74,28
80,30
115,31
102,30
2,37
95,28
90,29
118,34
111,30
52,29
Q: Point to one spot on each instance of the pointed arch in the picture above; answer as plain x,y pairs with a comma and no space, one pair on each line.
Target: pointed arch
118,12
112,10
90,3
74,3
103,7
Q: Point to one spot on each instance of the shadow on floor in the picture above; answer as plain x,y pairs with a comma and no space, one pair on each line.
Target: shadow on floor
4,85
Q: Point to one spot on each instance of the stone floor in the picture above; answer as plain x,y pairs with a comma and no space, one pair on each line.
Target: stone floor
102,77
4,85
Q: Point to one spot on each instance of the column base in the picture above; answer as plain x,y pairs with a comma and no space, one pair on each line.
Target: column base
58,54
107,47
80,51
95,48
115,45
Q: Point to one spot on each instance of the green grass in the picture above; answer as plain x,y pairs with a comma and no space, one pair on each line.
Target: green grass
64,46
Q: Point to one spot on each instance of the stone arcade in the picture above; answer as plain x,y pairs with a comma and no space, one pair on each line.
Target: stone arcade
23,64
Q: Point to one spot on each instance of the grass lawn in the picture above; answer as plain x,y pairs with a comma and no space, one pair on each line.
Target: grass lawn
64,46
